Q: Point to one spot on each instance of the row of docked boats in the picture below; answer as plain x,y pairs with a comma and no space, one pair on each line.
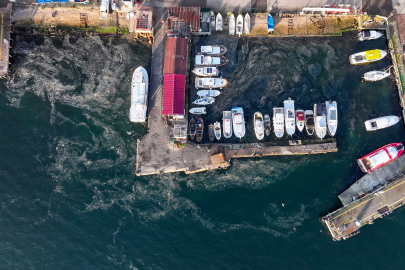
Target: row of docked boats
210,56
239,26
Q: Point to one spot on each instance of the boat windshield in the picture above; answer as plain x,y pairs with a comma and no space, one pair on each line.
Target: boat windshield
392,151
300,116
332,115
290,114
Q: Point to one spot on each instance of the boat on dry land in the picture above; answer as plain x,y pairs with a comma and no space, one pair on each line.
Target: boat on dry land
381,122
232,25
210,82
212,18
219,22
246,24
204,60
205,71
199,129
380,157
239,25
367,57
213,50
227,123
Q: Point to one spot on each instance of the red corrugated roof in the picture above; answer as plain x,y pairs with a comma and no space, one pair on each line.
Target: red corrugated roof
173,94
191,15
176,56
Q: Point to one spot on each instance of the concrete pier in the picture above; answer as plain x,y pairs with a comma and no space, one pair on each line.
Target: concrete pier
5,19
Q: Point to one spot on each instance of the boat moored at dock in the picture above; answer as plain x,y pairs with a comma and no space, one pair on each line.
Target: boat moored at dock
259,125
198,110
205,60
278,121
217,130
380,157
320,120
205,71
332,117
300,119
367,57
210,82
246,24
238,122
213,50
239,25
381,122
204,101
369,35
232,25
208,93
227,123
192,128
212,18
211,132
199,127
289,117
139,95
377,75
309,122
218,23
267,124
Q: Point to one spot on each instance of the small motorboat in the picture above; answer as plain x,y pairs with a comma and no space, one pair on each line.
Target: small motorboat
380,157
259,125
270,24
205,71
267,125
369,35
211,132
300,119
332,115
219,22
114,4
205,60
139,95
377,75
217,130
232,25
239,25
320,120
214,50
309,122
210,82
212,18
278,121
238,122
246,24
198,110
227,123
381,122
289,117
192,128
208,93
204,101
367,57
199,127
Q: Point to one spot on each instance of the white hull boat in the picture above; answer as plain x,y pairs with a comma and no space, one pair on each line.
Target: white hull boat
204,101
367,57
381,122
239,25
369,35
377,75
300,119
205,71
198,110
114,5
309,122
246,25
227,123
213,50
205,60
320,120
332,115
212,18
219,22
278,121
210,82
259,125
238,122
289,117
232,25
217,130
139,95
208,93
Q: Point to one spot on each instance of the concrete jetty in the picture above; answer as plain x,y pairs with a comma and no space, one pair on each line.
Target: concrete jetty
5,19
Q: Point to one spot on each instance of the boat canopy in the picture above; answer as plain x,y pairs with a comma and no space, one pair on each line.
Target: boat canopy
373,54
211,49
366,33
300,116
209,81
238,118
380,158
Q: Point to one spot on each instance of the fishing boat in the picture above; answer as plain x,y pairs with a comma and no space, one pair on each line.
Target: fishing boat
192,128
210,82
211,132
259,125
208,93
300,119
204,60
320,120
377,75
198,110
369,35
239,25
217,130
367,57
199,129
270,24
232,25
139,95
227,123
278,121
238,122
205,71
212,18
332,115
309,122
267,125
219,22
380,157
289,117
214,50
381,122
246,24
204,101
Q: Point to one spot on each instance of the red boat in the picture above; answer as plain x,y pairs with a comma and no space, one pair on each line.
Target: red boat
380,157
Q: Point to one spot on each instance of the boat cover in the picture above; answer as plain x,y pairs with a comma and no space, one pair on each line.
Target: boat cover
270,24
380,158
300,116
332,115
366,33
310,121
373,54
211,49
320,109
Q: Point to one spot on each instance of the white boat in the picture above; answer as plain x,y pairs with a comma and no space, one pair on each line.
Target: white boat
219,22
213,50
278,121
369,35
217,130
204,101
246,25
205,71
114,5
320,120
139,95
232,25
205,60
300,119
198,110
238,122
332,115
309,122
259,125
227,123
377,75
381,122
367,57
104,9
289,117
208,93
212,18
239,25
210,82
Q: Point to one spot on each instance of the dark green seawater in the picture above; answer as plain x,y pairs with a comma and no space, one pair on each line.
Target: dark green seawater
70,200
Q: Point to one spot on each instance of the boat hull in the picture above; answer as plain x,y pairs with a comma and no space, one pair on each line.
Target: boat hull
380,157
218,22
238,121
227,124
139,95
204,101
246,24
232,25
215,61
381,122
217,50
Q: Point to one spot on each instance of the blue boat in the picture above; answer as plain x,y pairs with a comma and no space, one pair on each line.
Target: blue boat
270,24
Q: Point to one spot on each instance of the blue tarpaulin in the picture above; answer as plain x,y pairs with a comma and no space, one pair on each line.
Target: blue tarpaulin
40,1
270,24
